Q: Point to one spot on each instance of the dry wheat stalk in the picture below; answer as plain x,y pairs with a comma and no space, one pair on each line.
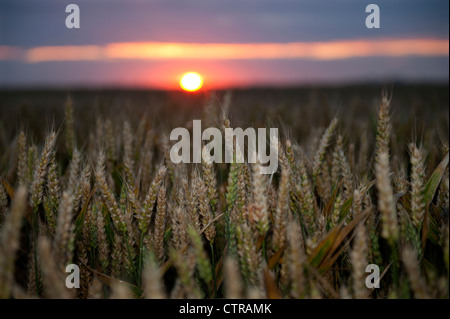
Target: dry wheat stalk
250,258
281,214
107,195
74,171
64,236
386,202
103,248
344,168
295,259
205,211
417,185
37,186
384,127
10,241
259,213
323,145
179,226
209,176
145,213
53,190
160,224
358,257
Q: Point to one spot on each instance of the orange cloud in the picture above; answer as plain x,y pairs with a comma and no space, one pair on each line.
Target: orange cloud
307,50
332,50
65,53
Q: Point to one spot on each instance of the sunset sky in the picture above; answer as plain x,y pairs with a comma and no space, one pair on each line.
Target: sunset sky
237,43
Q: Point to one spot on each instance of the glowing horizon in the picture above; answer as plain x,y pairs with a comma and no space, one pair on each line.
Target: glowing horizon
221,64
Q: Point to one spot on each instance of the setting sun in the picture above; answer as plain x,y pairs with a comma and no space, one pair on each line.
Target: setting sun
191,81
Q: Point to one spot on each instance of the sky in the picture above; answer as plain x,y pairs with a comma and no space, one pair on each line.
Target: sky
233,43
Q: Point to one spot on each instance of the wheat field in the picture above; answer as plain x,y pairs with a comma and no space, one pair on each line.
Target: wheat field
363,179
